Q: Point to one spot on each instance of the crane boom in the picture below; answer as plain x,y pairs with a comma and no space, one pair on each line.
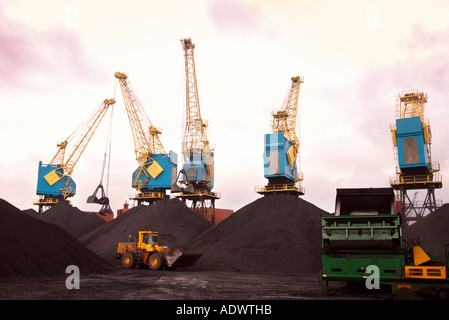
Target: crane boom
411,104
66,166
195,134
86,135
145,135
284,120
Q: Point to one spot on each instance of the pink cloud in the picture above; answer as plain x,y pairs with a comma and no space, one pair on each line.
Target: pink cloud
371,105
231,16
28,56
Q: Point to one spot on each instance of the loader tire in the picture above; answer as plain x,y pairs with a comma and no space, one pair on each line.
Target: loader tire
129,260
155,261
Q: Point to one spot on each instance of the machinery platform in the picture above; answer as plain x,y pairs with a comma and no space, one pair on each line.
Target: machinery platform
286,188
417,182
149,196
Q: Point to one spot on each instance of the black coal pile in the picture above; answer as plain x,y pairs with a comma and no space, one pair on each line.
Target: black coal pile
174,221
276,233
433,229
33,248
71,219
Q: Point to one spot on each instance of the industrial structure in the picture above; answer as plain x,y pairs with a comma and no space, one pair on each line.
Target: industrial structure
415,169
157,169
282,148
364,237
54,182
197,153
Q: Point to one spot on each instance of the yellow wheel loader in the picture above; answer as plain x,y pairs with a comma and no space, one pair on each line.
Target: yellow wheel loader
146,252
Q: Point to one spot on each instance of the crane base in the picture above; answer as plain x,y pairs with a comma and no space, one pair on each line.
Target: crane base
286,188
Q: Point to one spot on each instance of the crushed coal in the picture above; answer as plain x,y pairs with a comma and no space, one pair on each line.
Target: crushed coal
433,230
276,233
176,223
71,219
405,294
34,248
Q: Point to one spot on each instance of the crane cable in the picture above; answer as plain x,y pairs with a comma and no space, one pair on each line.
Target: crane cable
108,146
107,153
83,124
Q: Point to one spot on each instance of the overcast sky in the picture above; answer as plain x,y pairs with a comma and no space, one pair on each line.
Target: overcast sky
58,59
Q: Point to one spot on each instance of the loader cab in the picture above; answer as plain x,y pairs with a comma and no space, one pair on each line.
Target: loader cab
148,239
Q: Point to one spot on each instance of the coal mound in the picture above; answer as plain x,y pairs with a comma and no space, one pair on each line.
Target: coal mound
175,222
276,233
71,219
433,229
33,248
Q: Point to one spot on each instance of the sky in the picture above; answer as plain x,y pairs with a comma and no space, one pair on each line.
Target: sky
58,59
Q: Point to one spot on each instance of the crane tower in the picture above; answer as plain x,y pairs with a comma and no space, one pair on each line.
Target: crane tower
282,148
412,149
197,153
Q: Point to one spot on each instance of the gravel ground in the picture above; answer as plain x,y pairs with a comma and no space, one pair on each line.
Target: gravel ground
143,284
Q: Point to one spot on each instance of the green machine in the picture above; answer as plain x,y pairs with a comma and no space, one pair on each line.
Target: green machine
365,231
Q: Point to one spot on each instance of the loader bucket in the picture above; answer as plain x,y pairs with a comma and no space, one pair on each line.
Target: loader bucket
175,258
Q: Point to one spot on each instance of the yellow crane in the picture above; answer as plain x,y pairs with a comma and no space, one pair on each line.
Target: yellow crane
198,156
282,147
415,168
157,170
54,179
195,142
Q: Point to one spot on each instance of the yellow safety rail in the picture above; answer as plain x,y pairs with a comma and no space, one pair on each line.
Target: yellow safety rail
425,272
279,188
422,179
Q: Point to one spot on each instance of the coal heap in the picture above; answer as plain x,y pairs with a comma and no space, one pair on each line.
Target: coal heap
174,221
276,233
433,229
33,248
71,219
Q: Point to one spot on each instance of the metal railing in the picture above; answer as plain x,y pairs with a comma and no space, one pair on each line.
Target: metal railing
419,179
147,195
202,192
286,187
